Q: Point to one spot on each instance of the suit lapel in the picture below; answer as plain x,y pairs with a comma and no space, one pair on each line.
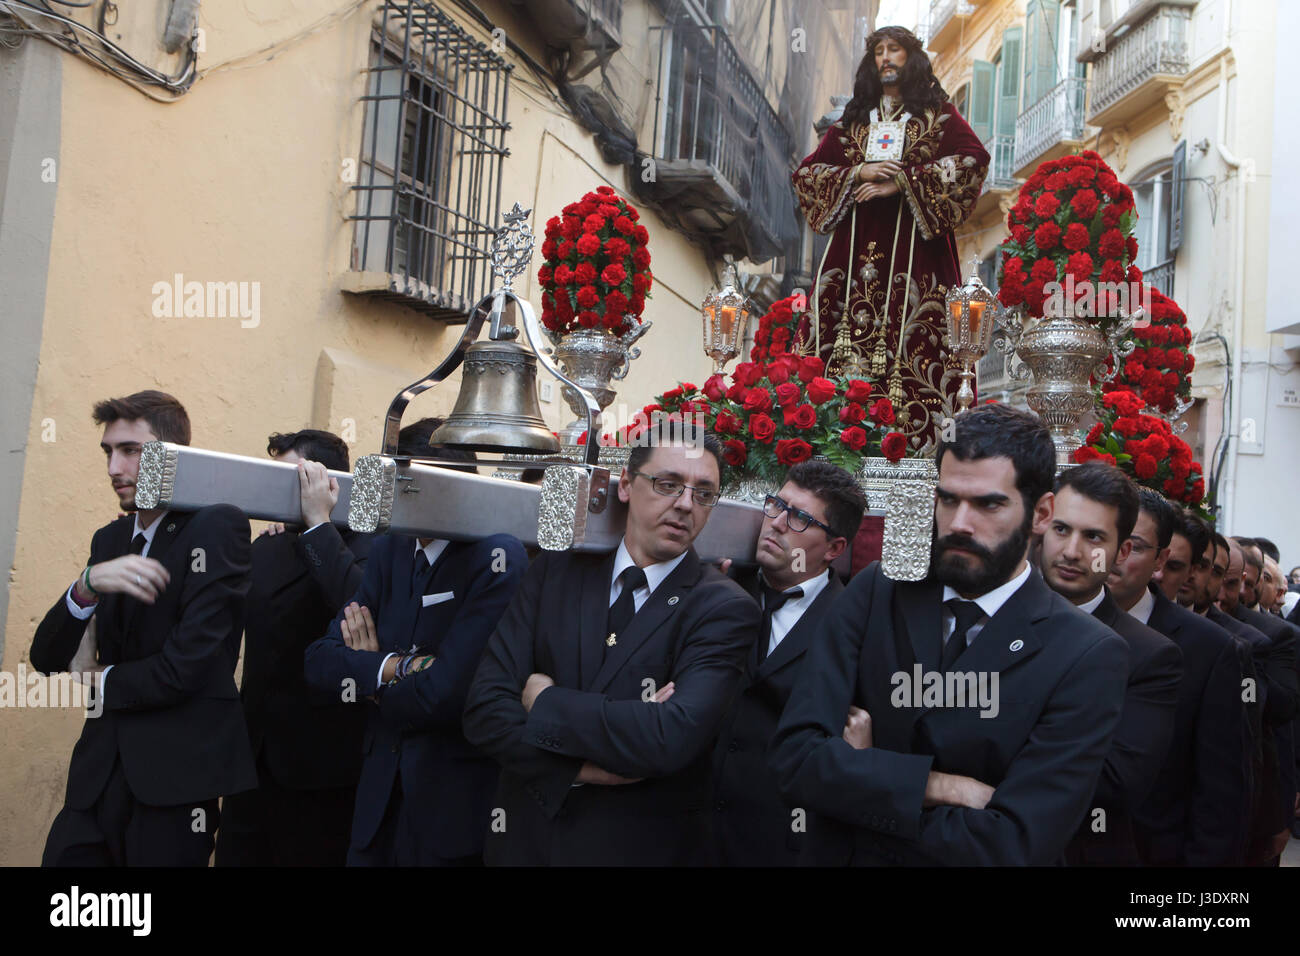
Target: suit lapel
796,641
1107,611
593,602
649,619
920,606
1162,619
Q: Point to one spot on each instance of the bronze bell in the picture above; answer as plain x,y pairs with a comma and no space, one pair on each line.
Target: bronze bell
497,408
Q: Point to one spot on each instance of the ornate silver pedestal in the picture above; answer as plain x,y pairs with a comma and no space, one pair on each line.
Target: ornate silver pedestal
1062,353
593,359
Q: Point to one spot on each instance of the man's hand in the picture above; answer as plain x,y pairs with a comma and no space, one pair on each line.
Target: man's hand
724,565
274,528
878,172
954,790
590,773
857,728
663,693
358,628
535,684
868,191
319,491
141,578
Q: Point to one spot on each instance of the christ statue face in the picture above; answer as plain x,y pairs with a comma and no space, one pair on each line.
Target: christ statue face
890,55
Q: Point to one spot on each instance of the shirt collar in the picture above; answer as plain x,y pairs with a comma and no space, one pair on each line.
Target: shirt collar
654,574
990,602
1144,606
150,531
433,551
1095,603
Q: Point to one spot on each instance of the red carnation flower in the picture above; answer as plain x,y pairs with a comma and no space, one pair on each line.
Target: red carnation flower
1112,270
1076,237
617,248
584,273
1111,244
588,297
640,234
1145,467
1110,216
588,319
593,223
1045,206
1079,265
624,225
614,274
1043,271
1047,236
548,249
588,244
893,446
1085,202
641,257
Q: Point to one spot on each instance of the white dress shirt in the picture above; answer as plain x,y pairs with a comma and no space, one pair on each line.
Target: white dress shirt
1094,603
654,576
433,551
84,613
989,603
787,615
1145,605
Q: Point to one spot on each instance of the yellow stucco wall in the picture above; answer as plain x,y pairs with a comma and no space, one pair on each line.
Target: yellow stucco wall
240,181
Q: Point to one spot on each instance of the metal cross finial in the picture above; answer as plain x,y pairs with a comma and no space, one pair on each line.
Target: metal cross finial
512,249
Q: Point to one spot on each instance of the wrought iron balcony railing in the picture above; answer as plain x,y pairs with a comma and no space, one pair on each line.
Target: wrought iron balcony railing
1156,47
1056,118
1161,277
1001,150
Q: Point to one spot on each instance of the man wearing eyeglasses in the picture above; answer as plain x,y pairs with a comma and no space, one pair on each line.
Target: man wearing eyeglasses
604,685
807,526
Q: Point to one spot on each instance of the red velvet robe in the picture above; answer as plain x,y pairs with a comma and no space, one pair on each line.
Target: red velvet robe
944,166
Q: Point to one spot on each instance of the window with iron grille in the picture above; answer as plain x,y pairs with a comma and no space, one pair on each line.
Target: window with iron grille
429,181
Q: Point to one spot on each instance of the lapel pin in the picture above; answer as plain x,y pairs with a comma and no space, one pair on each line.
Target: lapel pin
1017,644
171,527
611,641
673,600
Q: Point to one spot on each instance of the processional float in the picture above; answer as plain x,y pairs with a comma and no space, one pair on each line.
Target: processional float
575,508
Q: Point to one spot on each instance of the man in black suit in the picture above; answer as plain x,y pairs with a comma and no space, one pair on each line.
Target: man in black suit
1194,814
807,526
935,777
166,736
405,649
603,688
1280,694
1095,508
307,743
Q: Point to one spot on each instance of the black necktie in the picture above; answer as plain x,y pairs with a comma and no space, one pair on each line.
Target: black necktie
137,543
137,547
418,568
773,601
968,614
624,606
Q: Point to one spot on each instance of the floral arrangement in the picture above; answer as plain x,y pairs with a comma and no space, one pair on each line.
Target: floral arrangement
1159,369
780,408
596,266
1073,222
1144,447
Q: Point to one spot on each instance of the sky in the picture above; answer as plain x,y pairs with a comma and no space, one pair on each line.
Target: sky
905,13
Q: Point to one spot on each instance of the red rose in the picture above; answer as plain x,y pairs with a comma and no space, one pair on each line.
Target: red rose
882,412
852,413
821,390
747,373
801,416
893,446
858,391
734,452
778,373
727,423
791,451
810,368
614,274
588,245
758,400
787,393
738,393
1047,236
854,437
714,387
1076,237
762,428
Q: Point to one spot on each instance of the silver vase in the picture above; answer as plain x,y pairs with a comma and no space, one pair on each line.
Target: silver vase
1063,353
594,359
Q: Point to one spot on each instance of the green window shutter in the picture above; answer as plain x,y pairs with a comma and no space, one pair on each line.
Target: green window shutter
1009,82
1042,23
981,99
